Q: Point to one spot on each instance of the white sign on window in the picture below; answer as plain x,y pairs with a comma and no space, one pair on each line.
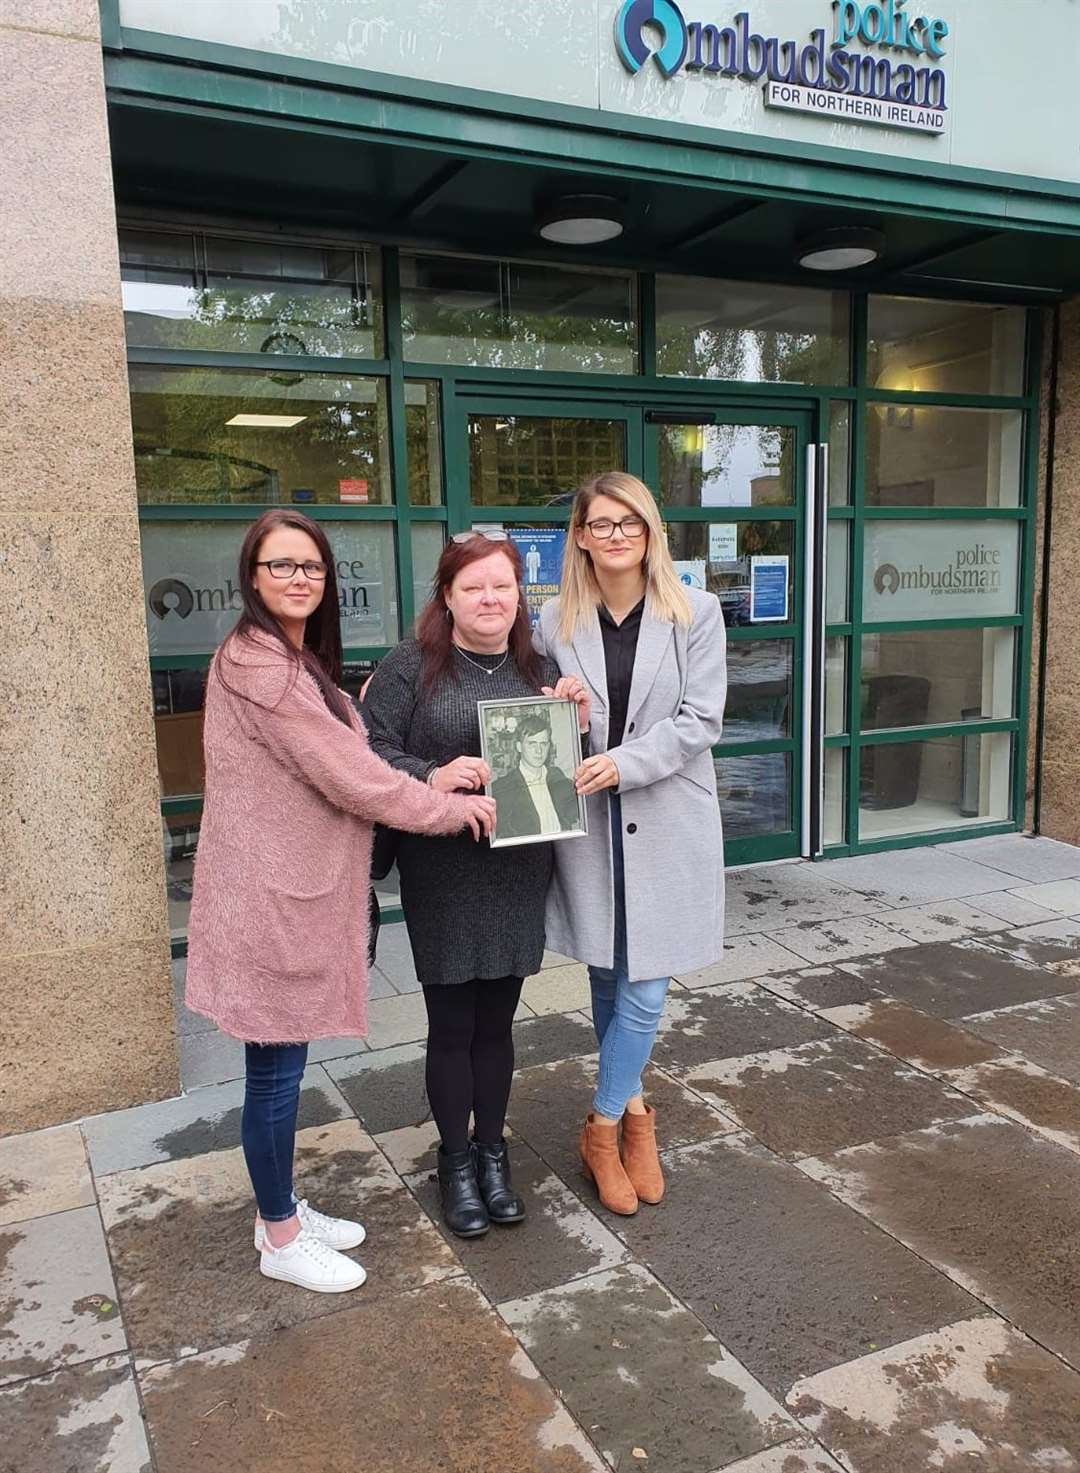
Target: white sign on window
192,592
723,542
940,570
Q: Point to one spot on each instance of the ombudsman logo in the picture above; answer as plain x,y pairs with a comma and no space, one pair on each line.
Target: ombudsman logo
887,578
169,595
630,23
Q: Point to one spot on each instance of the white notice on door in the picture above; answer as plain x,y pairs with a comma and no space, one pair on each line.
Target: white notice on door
723,542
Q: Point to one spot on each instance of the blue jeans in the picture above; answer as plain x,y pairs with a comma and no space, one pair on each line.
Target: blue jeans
268,1124
626,1014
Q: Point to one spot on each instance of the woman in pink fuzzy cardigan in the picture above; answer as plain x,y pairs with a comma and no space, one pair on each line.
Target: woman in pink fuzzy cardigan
277,942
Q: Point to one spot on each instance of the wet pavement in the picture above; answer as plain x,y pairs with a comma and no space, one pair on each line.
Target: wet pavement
868,1257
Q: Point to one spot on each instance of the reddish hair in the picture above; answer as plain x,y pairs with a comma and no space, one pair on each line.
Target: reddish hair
434,626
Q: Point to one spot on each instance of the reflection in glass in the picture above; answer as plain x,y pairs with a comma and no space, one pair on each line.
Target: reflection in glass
729,577
919,456
205,435
755,794
940,569
759,690
833,810
948,783
839,452
945,347
838,539
423,441
427,546
523,460
502,314
242,296
748,332
178,730
180,836
836,651
726,465
912,678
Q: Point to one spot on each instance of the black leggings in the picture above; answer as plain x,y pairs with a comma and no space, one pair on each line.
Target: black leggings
470,1057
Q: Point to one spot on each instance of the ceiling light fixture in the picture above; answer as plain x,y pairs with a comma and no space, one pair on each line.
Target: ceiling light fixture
842,248
265,421
581,219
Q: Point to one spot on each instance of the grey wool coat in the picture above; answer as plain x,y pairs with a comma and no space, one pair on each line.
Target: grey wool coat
672,843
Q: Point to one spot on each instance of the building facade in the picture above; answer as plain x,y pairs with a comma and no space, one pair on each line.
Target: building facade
808,269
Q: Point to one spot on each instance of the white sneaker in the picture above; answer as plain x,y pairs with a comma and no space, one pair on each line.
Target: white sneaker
335,1232
311,1264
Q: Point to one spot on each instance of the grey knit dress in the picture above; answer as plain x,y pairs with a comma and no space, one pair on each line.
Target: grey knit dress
471,911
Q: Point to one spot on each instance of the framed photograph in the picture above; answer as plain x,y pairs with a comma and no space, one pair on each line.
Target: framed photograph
533,748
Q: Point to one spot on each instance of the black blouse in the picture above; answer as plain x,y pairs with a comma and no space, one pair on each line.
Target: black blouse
620,649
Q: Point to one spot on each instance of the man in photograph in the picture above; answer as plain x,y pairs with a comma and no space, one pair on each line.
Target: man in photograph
534,797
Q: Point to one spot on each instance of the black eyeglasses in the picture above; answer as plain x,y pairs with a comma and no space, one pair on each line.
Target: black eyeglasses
604,527
286,567
494,534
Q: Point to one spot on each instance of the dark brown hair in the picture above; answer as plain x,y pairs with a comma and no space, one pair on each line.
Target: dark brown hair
321,654
434,626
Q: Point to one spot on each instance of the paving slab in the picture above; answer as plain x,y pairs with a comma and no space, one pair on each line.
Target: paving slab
914,876
1048,944
205,1120
1012,907
724,1022
820,987
631,1362
1024,1092
764,899
559,1240
801,1456
384,1088
43,1171
394,1020
995,1206
82,1420
789,1279
180,1239
976,1395
1027,856
823,1095
919,1038
58,1302
952,979
325,1050
549,1102
393,957
836,941
941,920
1046,1032
186,1021
548,1039
745,957
411,1149
209,1057
558,990
1060,896
326,1397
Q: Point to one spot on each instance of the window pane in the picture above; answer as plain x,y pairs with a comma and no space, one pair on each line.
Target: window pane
940,570
759,690
839,453
180,835
833,821
240,296
427,546
730,578
424,443
838,540
726,465
948,783
917,456
913,679
498,314
836,657
178,729
211,435
755,794
522,460
945,347
750,333
193,597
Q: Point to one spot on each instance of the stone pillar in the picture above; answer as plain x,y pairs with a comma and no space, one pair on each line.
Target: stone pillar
86,1015
1060,767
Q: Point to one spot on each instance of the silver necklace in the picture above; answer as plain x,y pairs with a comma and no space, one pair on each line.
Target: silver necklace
477,663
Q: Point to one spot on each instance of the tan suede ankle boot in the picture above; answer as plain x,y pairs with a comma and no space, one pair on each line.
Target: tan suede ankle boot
600,1160
639,1157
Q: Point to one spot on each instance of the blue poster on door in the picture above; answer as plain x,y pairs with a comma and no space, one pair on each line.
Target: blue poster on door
768,590
541,555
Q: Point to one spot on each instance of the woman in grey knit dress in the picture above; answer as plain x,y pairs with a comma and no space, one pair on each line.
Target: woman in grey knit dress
475,915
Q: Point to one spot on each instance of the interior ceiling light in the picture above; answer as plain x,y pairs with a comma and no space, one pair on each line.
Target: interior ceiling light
842,248
581,219
266,421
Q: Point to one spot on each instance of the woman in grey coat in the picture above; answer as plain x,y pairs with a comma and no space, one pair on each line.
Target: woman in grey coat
642,897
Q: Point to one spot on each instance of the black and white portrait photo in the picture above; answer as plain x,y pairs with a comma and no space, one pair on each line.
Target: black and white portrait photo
533,748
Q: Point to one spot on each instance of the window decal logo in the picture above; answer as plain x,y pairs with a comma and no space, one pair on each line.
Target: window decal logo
630,41
169,595
887,579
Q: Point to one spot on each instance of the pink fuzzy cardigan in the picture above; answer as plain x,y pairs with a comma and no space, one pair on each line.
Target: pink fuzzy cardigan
277,939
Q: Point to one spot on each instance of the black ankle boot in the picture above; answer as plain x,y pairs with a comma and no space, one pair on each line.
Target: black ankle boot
493,1178
462,1205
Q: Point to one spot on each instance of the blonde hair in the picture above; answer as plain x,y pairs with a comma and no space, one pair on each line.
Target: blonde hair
580,592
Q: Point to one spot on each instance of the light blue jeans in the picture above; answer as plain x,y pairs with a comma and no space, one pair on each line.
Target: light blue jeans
626,1014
